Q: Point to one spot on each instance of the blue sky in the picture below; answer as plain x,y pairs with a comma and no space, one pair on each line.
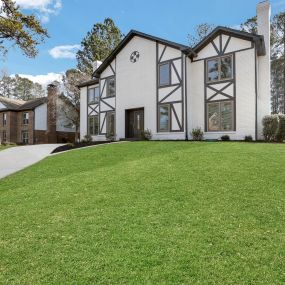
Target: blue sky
68,21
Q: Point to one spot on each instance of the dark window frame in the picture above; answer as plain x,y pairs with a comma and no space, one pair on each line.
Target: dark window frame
25,120
95,99
4,136
109,114
4,119
169,119
219,68
220,118
108,86
169,71
94,117
25,140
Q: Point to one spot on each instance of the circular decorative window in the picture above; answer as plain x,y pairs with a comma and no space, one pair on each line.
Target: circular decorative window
134,56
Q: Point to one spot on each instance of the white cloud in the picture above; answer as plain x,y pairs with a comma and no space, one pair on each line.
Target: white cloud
43,79
45,8
65,51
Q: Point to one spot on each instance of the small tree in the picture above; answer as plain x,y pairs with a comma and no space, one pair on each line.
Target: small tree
71,79
98,44
281,128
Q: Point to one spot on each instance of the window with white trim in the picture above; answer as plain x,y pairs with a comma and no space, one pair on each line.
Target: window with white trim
25,137
25,118
4,119
93,95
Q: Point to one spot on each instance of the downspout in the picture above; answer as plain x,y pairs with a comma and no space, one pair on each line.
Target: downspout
256,90
186,113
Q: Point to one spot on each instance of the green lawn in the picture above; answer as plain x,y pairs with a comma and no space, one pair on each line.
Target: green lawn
147,213
2,147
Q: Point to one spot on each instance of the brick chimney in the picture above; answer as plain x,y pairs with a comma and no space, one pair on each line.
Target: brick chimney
263,12
51,113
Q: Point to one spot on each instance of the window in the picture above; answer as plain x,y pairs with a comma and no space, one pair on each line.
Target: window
4,119
93,124
4,136
164,122
220,116
110,124
164,74
219,69
111,90
93,95
25,137
25,118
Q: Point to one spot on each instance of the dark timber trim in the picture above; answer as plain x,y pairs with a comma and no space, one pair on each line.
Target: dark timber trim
228,98
180,85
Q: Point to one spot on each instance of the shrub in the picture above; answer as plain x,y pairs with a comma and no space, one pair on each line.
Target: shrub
270,127
197,134
280,136
225,138
248,138
87,139
146,135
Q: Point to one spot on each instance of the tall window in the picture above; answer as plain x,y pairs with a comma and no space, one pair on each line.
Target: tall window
111,90
25,137
93,124
164,118
110,124
220,116
26,118
164,74
4,119
93,95
219,69
4,136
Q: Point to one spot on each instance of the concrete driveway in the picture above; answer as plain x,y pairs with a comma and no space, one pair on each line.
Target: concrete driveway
17,158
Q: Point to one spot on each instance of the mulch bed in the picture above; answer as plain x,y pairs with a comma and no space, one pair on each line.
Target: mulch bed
77,145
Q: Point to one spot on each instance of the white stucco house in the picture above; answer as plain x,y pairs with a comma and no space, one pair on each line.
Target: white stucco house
221,85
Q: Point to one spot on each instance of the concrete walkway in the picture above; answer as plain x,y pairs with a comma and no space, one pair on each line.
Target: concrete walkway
17,158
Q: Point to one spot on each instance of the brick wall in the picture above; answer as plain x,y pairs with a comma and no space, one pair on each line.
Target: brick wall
25,127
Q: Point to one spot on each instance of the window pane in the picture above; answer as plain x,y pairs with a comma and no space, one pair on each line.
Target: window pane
91,95
111,87
213,70
91,125
164,74
110,124
164,118
226,116
213,116
96,125
226,67
96,95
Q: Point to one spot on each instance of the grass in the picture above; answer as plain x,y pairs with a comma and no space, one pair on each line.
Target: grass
147,213
2,147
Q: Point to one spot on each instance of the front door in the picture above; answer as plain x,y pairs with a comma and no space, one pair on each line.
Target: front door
134,123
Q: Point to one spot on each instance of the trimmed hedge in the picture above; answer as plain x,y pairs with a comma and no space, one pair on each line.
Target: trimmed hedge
274,128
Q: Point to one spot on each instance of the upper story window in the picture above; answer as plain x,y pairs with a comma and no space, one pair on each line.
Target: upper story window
164,74
4,119
219,69
111,90
25,118
93,95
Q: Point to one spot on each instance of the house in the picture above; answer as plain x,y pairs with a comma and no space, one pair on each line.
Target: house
221,85
36,121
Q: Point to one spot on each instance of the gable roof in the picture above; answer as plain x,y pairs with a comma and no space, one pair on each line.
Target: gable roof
11,104
20,105
257,39
124,42
89,82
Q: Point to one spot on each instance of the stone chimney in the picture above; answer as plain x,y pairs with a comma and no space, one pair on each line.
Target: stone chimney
96,64
263,12
51,113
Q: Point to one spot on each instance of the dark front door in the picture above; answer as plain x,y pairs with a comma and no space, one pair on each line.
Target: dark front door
134,123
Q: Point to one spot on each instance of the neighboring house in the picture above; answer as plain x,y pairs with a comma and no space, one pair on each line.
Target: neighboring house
221,85
36,121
